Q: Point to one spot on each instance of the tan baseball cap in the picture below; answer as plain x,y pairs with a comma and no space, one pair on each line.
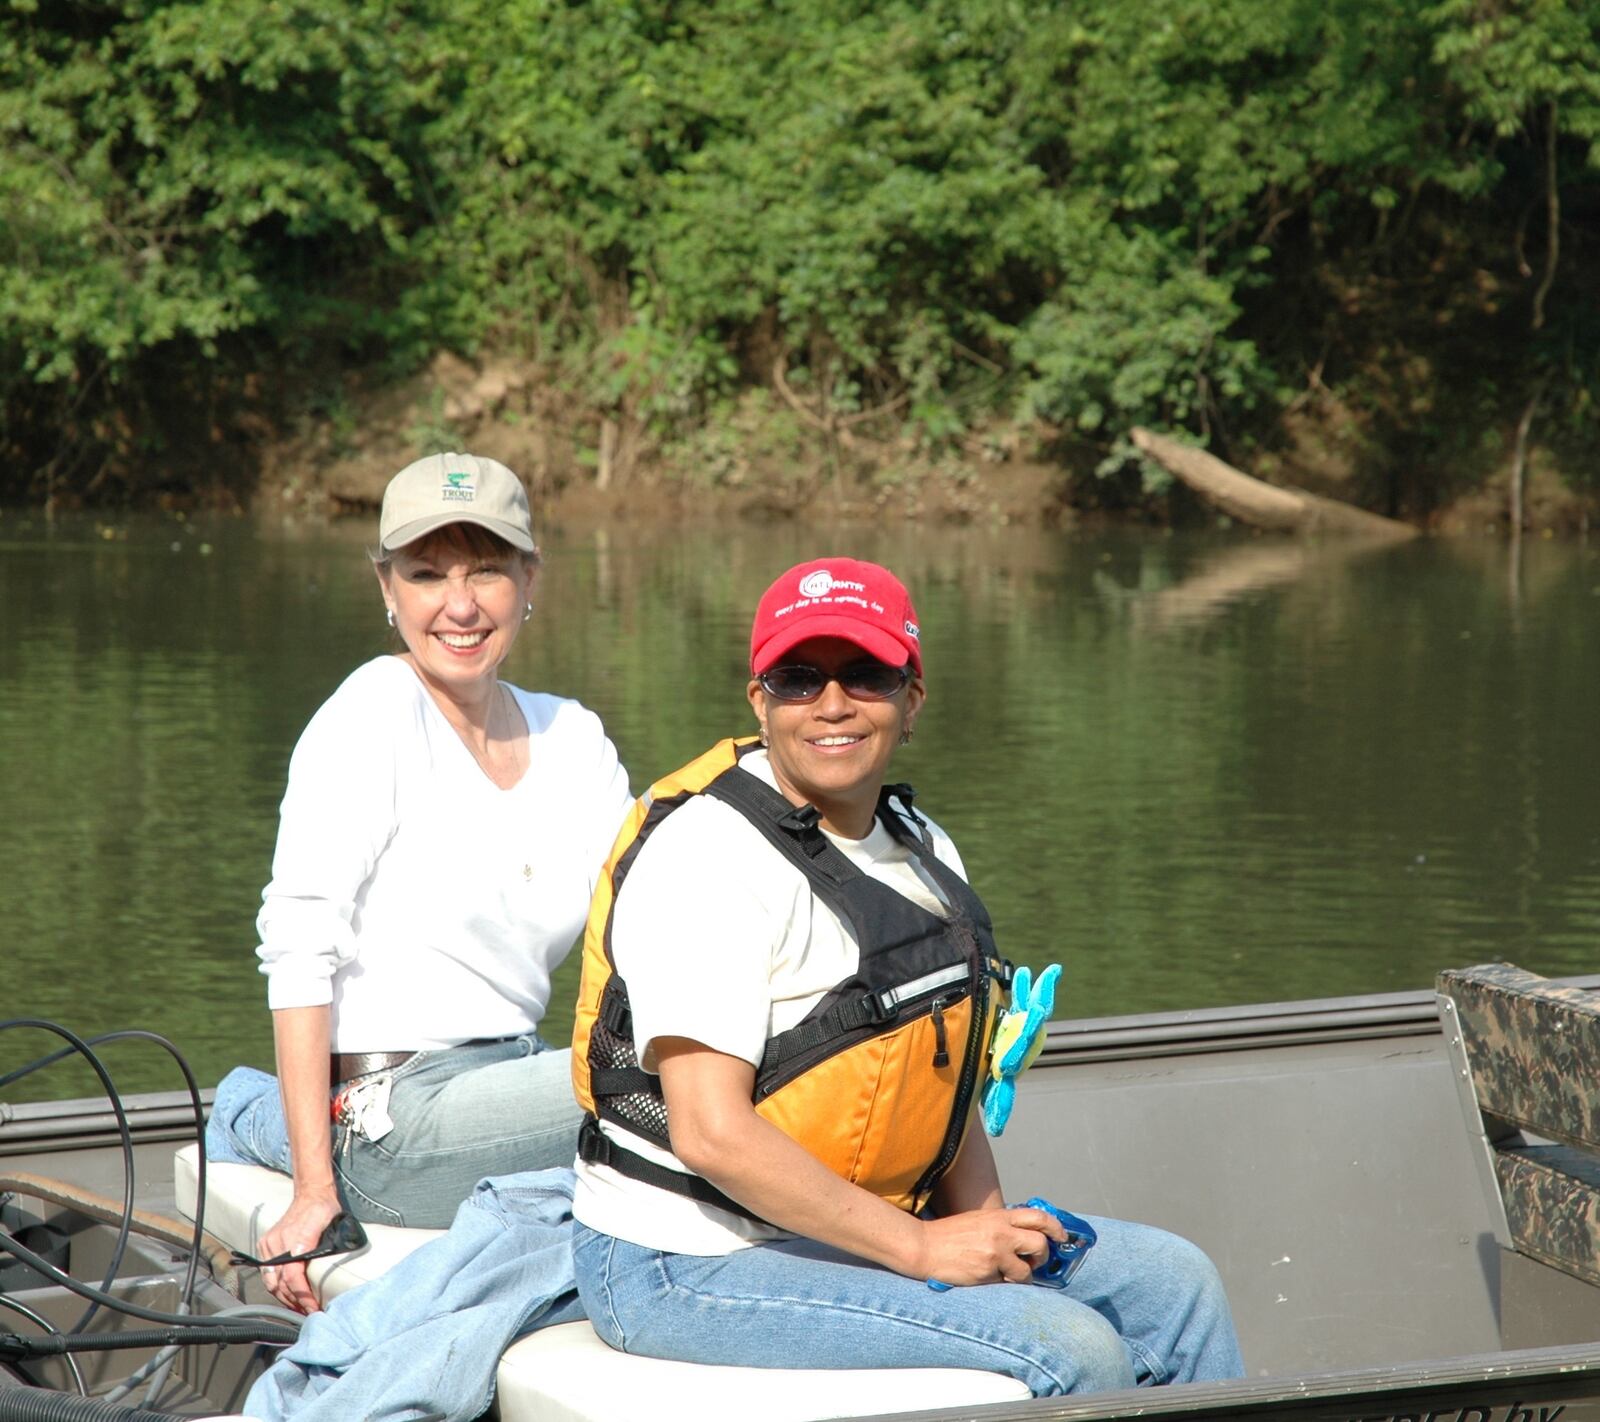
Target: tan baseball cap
454,488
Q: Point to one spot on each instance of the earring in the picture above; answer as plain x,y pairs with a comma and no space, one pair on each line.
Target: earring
527,612
905,736
764,741
390,615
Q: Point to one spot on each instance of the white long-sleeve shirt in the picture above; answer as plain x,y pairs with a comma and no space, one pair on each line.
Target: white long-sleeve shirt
425,904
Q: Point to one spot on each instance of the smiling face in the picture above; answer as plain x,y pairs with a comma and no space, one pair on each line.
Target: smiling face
834,752
458,598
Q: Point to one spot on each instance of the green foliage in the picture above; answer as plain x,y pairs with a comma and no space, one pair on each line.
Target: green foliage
183,169
1511,58
1106,213
178,174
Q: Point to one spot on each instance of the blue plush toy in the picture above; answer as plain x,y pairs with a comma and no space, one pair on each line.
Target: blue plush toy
1017,1041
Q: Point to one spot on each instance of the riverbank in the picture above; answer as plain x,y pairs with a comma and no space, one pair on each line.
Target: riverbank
757,457
769,455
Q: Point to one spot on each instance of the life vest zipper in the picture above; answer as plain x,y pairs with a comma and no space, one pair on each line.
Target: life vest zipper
891,998
965,1085
941,1048
886,1009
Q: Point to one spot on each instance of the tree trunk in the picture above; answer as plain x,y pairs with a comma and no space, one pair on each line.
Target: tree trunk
604,464
1259,504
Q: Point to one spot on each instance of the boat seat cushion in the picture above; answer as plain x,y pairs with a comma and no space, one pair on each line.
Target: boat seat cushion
244,1201
567,1373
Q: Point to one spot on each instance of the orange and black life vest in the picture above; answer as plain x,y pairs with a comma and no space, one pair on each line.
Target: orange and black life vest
880,1079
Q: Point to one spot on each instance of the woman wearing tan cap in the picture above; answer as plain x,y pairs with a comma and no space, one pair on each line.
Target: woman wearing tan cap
440,837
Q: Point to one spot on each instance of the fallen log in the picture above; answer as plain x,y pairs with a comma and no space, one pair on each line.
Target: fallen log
1259,504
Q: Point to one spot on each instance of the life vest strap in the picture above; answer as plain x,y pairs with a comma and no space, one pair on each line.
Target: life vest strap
839,1020
788,827
620,1081
597,1148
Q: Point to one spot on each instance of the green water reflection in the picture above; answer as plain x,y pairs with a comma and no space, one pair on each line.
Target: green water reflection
1196,771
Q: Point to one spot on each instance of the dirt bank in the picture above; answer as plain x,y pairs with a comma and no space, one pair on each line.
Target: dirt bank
766,455
759,458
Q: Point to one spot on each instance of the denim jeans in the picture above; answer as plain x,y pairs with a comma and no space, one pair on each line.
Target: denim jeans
424,1340
492,1108
1145,1307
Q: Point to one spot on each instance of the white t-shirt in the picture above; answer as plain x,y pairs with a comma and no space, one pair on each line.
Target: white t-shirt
425,904
720,940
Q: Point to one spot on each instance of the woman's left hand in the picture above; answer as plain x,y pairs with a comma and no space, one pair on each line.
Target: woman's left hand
991,1246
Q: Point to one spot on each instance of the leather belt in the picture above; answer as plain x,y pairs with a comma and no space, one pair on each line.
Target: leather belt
343,1066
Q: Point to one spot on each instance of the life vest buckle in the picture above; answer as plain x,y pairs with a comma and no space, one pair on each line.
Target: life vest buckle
615,1014
878,1008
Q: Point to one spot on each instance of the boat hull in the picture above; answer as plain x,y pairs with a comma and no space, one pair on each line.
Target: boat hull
1318,1151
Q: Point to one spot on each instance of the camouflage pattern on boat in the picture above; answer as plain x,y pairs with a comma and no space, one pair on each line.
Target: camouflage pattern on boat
1533,1050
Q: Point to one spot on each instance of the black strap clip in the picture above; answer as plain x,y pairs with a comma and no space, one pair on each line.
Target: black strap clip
616,1015
804,823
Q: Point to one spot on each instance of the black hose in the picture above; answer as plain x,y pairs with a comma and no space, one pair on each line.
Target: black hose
32,1404
185,1297
44,1323
87,1052
263,1330
187,1294
84,1291
181,1329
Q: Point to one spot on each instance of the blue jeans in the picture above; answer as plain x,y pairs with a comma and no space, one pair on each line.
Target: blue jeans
424,1340
461,1113
1145,1307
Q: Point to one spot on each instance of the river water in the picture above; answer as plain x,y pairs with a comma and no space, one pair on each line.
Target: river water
1196,770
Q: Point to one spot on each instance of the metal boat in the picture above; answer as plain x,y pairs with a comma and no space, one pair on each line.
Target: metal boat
1329,1155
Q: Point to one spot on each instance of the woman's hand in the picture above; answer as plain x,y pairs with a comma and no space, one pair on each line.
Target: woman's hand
298,1231
717,1133
988,1246
301,1037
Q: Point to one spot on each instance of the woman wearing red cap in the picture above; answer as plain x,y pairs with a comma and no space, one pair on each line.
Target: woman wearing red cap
788,1001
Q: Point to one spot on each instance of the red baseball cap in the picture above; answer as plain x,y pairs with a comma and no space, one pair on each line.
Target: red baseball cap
837,597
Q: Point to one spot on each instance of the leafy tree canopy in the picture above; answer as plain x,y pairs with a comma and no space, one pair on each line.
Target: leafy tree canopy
1174,212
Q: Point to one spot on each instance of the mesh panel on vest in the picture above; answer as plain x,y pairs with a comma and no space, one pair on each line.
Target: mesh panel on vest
641,1111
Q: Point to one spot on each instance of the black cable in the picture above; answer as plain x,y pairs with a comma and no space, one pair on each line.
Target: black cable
198,1240
181,1329
264,1330
97,1296
126,1135
156,1367
37,1405
138,1034
87,1291
44,1323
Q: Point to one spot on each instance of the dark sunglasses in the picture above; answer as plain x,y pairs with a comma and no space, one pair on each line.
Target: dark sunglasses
343,1234
864,681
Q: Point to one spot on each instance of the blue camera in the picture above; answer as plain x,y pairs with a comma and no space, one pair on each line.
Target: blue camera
1064,1259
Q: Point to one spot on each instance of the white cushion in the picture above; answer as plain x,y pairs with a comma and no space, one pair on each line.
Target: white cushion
244,1201
566,1373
